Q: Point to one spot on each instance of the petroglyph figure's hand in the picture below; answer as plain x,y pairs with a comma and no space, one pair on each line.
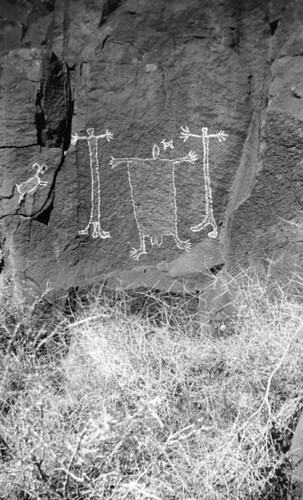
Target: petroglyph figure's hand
112,162
185,134
192,156
222,136
74,138
109,136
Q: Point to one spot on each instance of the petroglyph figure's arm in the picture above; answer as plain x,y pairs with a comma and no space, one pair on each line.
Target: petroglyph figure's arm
191,158
76,137
185,134
109,136
221,136
114,162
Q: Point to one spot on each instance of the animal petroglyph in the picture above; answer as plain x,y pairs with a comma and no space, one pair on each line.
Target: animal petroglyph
95,215
154,205
209,216
31,185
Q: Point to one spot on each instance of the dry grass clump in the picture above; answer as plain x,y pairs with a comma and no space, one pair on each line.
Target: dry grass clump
132,409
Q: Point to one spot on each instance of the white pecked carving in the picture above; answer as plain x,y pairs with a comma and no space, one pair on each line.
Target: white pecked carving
155,210
209,216
31,185
167,144
95,215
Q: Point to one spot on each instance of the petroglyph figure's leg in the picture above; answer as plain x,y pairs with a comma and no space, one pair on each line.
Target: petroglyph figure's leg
183,245
33,190
21,197
208,220
135,253
95,213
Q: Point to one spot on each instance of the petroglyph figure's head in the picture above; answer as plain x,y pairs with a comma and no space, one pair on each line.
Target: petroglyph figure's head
156,151
90,131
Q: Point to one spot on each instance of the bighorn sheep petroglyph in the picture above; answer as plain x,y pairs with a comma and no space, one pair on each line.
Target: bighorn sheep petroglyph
31,185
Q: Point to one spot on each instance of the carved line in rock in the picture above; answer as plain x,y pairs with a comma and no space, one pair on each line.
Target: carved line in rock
31,185
155,210
167,144
95,214
209,216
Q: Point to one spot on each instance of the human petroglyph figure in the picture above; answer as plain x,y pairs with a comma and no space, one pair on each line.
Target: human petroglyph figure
153,194
167,144
95,215
31,185
209,216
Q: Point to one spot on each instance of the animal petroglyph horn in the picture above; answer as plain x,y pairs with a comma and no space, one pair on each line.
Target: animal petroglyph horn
31,185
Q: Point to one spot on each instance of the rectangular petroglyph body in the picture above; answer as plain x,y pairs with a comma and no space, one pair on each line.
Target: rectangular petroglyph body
154,205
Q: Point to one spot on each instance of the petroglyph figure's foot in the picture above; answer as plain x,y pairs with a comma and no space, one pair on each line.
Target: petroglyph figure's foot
135,253
83,231
213,234
104,234
187,246
98,232
208,220
101,234
183,245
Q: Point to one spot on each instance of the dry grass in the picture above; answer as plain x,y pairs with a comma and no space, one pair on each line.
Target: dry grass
117,407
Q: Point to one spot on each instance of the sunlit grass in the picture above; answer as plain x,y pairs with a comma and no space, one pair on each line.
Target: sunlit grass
114,405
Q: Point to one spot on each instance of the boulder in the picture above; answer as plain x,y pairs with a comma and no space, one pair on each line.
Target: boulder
171,138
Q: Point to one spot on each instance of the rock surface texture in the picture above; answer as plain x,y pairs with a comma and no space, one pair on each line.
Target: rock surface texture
98,90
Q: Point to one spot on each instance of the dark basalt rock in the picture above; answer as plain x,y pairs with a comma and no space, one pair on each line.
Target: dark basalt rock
142,70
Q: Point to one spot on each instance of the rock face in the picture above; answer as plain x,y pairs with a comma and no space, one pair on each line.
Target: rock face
149,143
